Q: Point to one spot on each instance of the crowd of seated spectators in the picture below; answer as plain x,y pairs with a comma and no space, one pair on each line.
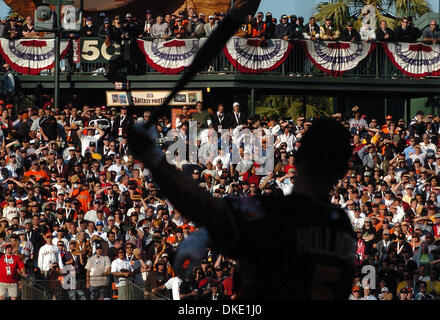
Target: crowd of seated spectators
190,24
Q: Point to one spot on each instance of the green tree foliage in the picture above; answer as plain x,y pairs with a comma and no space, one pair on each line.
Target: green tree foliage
343,11
283,106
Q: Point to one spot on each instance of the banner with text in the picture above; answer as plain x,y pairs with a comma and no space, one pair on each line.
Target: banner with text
152,98
95,50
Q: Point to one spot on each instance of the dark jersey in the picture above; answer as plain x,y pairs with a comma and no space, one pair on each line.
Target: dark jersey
289,248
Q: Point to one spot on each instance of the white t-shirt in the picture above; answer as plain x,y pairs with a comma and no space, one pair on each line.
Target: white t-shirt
174,284
85,142
117,266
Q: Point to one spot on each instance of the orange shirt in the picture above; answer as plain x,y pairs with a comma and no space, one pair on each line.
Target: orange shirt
37,174
83,197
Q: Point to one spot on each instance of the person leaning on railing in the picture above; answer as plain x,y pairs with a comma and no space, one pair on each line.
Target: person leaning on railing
259,26
179,30
270,26
284,29
160,30
406,32
328,31
367,33
350,34
311,30
431,33
196,27
383,33
90,29
12,30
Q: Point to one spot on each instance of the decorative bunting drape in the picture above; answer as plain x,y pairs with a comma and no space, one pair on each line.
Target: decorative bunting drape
171,56
414,59
335,58
31,56
256,55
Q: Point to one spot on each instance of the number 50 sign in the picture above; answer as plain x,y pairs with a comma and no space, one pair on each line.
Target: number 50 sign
95,50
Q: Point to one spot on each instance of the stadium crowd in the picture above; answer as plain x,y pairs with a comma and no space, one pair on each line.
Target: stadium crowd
72,196
190,24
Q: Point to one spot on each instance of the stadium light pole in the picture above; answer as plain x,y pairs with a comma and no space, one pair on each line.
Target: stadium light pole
57,31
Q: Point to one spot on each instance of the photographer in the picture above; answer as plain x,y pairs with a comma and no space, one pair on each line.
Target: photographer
121,269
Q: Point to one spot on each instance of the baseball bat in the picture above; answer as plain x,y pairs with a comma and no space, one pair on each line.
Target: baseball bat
208,51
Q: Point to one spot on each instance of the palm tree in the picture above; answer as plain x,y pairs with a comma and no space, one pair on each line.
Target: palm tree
343,11
294,106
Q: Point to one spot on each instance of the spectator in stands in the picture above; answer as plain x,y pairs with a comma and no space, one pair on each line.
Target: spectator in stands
108,31
350,34
284,29
179,31
146,25
210,26
431,33
328,31
12,30
89,30
259,27
237,117
406,32
311,30
160,29
201,116
28,29
367,33
294,21
299,28
196,27
384,33
270,26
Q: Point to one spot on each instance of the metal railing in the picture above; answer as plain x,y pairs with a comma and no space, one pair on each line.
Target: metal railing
375,65
53,289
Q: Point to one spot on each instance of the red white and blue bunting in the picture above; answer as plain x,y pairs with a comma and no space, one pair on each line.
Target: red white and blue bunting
31,56
256,55
171,56
335,58
414,59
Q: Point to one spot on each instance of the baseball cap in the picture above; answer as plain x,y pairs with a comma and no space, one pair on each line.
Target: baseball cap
111,218
284,16
388,117
106,20
128,15
211,17
236,104
385,289
100,223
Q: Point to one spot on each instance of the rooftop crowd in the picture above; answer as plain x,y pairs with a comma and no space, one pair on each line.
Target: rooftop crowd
190,24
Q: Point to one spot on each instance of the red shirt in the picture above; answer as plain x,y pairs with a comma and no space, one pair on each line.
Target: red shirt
228,286
15,264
